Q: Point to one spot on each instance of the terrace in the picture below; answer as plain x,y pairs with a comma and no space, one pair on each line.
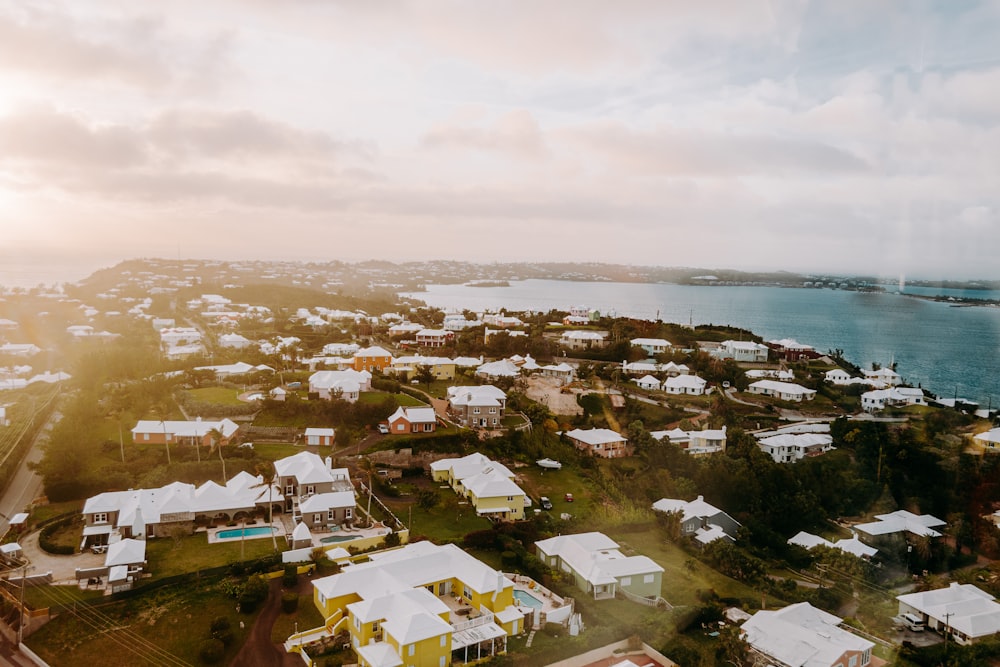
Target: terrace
544,605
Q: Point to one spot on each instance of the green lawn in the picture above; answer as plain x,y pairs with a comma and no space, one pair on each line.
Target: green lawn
191,553
305,617
376,397
138,631
217,395
448,520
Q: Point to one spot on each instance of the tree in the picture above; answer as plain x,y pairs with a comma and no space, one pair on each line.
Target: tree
268,475
733,649
424,375
216,436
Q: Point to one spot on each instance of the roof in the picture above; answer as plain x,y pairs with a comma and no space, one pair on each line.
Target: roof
186,429
320,431
322,502
414,415
902,520
492,483
595,436
782,387
470,465
801,636
125,552
306,467
693,509
484,395
374,351
964,607
595,557
993,435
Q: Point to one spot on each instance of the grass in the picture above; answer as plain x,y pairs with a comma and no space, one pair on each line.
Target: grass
376,398
168,557
305,617
217,395
555,484
138,631
42,513
446,521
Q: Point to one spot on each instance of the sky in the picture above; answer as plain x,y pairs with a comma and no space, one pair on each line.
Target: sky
841,136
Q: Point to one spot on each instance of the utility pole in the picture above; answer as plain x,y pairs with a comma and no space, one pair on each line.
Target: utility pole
20,610
947,630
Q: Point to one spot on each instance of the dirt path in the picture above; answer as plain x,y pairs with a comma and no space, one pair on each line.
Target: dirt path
258,651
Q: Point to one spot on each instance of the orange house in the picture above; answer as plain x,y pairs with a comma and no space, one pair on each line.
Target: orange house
371,359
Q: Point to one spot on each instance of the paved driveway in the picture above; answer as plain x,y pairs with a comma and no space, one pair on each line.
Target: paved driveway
63,568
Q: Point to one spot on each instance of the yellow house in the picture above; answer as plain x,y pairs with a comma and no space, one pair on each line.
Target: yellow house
488,485
422,605
441,368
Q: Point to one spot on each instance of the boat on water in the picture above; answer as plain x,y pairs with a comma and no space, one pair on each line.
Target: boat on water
549,464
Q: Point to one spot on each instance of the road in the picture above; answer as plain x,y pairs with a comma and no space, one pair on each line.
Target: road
26,484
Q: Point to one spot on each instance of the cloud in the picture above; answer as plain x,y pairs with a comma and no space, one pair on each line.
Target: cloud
515,133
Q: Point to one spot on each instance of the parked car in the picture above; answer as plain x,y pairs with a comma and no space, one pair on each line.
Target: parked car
383,429
545,503
568,497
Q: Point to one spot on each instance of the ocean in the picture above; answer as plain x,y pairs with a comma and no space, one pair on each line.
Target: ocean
948,350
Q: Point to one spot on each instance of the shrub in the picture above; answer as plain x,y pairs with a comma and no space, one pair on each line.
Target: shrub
254,592
391,540
220,623
44,538
289,602
211,651
290,578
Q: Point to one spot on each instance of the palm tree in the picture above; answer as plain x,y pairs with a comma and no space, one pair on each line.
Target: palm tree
268,475
160,410
217,437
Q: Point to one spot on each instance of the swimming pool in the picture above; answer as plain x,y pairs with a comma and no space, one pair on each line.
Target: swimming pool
527,599
255,531
337,538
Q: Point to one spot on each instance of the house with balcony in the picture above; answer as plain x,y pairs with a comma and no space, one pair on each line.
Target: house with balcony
599,568
791,447
800,634
306,474
601,442
405,368
434,337
421,604
743,351
899,524
880,399
696,443
412,420
477,407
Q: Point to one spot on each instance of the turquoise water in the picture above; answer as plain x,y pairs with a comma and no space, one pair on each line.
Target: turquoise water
255,531
337,538
527,599
944,349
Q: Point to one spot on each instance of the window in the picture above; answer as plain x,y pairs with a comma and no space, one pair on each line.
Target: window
444,640
310,490
493,411
331,515
475,411
626,581
101,517
317,519
375,627
289,490
853,661
428,427
145,436
349,513
441,658
410,649
401,427
648,578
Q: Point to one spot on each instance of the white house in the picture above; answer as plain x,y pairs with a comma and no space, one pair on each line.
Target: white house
601,442
234,341
320,437
652,346
988,439
838,376
744,351
804,636
785,391
879,399
853,546
791,447
598,567
963,611
647,382
583,340
691,385
885,377
347,384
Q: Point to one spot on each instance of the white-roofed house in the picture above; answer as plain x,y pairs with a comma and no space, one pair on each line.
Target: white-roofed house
963,611
899,522
320,437
691,385
599,568
879,399
479,406
193,432
347,384
412,420
699,519
803,636
504,368
488,485
422,604
988,439
434,337
306,474
125,560
647,382
601,442
745,351
851,545
583,340
652,346
785,391
791,447
884,377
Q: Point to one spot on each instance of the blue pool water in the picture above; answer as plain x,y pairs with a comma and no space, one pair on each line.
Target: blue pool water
527,599
336,538
255,531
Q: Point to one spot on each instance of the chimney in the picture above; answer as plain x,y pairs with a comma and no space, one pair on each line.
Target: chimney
329,463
